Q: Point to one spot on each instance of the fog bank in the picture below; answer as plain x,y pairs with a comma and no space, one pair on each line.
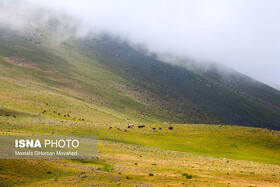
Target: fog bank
243,35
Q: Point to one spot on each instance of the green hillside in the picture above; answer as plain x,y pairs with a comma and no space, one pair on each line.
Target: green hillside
112,75
191,97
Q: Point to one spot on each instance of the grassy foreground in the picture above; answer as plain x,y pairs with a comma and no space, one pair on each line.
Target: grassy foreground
129,165
188,155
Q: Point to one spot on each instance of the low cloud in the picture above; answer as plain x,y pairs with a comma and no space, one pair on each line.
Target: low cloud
243,35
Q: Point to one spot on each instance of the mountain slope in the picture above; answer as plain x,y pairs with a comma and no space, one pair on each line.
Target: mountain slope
124,82
194,97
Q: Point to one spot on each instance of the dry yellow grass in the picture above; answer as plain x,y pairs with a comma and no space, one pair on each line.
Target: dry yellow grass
131,166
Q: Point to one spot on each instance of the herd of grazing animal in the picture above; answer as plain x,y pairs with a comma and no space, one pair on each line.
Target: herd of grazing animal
44,112
8,115
65,115
129,126
139,126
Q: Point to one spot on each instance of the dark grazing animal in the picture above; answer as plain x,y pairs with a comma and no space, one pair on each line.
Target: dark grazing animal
141,126
170,128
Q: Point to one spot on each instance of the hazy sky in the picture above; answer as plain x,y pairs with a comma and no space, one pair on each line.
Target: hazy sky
242,34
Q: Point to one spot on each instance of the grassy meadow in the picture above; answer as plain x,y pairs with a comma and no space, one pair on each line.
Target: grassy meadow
188,155
77,94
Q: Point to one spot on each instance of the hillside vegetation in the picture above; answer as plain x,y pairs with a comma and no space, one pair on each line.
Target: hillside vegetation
97,86
112,75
